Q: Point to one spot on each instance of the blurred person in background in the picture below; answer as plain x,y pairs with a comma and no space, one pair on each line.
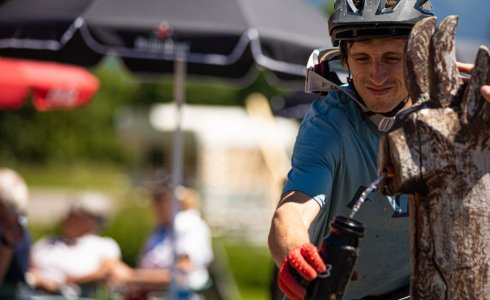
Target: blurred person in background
14,237
183,257
73,264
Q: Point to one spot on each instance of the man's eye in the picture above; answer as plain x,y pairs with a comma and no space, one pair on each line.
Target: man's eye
392,59
361,59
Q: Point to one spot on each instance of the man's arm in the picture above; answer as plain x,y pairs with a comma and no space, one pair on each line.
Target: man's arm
122,274
6,253
11,233
290,246
467,68
485,91
100,274
290,223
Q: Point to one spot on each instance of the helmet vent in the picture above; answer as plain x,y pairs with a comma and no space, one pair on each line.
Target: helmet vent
391,3
425,4
389,6
355,6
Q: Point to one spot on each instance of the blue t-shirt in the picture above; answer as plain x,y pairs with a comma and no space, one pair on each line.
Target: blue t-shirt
17,268
334,156
20,260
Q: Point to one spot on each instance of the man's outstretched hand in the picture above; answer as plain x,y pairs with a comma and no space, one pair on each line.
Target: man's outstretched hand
468,68
485,91
301,264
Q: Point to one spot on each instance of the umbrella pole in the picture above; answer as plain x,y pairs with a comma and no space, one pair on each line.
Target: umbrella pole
180,65
178,145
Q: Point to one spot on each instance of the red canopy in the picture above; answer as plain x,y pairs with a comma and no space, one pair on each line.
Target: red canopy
54,86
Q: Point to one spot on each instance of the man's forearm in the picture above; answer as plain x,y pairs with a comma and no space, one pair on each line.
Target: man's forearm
98,275
151,276
290,223
6,254
285,235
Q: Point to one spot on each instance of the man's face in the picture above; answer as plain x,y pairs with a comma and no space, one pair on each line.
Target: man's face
77,224
162,203
377,71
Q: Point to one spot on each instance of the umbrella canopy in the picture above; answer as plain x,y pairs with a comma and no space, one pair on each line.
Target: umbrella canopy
54,86
222,38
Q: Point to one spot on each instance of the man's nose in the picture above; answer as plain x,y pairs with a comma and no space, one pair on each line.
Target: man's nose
378,73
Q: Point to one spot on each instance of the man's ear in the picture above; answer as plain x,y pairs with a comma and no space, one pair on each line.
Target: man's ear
344,63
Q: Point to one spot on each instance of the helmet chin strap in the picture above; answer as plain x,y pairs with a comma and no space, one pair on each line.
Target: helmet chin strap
394,111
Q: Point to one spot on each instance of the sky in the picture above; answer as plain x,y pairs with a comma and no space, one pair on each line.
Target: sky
474,22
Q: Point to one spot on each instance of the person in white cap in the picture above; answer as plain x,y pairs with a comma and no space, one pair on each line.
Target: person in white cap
73,263
14,237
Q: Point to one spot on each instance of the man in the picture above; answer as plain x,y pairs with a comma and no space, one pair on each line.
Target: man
180,251
14,238
335,156
74,264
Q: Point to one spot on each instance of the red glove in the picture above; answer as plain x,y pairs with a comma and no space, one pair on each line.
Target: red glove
307,263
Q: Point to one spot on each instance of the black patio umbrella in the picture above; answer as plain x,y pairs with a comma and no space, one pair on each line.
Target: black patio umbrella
222,38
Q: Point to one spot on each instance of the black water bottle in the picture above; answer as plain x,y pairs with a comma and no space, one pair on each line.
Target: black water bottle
339,250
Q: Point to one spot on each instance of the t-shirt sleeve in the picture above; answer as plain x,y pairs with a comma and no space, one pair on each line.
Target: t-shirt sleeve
193,239
40,245
111,249
315,156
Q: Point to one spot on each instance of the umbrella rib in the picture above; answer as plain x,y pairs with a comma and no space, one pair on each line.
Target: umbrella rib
53,45
168,50
269,63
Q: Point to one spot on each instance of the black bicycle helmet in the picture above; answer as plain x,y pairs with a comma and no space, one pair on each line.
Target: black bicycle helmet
365,19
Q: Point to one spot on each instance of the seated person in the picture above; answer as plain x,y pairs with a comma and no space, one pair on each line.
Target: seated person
79,258
14,237
191,245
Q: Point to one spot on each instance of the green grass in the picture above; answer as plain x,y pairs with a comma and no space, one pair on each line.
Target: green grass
101,177
253,294
251,266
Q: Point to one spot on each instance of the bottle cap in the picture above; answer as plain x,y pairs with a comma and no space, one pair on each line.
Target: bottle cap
348,226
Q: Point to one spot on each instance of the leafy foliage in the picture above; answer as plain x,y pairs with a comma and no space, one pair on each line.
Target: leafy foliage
88,133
